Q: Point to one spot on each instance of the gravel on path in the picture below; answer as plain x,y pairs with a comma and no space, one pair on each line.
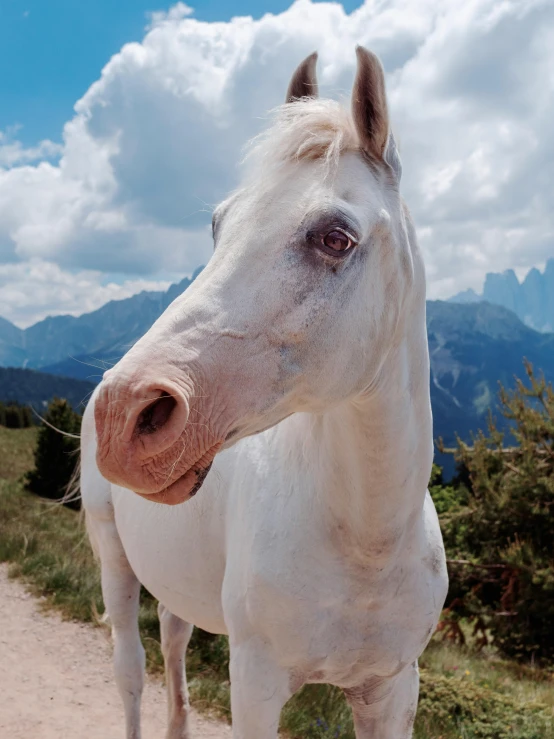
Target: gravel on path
56,678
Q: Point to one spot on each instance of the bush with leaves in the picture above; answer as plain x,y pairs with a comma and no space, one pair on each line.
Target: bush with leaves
447,498
56,453
500,542
476,712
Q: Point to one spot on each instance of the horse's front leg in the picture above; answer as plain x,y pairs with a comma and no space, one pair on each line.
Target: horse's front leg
385,708
259,690
121,591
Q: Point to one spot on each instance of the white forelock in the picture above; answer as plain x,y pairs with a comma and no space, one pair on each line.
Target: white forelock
307,129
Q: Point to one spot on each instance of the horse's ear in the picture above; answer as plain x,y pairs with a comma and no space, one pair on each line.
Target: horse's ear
369,104
304,81
392,157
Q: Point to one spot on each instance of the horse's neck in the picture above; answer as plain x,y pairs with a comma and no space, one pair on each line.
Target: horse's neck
370,459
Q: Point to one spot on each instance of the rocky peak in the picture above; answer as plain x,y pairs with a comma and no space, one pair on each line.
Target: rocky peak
532,300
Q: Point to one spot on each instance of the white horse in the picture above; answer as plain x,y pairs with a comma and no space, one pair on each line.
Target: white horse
296,368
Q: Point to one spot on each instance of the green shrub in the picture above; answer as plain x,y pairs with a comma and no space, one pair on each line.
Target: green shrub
500,541
450,703
447,498
56,454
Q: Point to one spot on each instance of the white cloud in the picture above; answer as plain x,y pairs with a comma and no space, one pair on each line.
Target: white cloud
175,13
154,141
28,289
12,151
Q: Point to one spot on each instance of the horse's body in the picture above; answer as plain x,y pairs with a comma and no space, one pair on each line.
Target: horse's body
314,543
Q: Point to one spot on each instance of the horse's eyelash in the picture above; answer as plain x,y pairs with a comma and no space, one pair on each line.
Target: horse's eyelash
320,233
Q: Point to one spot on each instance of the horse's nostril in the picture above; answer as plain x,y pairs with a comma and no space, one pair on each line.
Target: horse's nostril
156,415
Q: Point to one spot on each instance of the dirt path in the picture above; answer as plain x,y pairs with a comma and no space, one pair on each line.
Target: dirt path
56,678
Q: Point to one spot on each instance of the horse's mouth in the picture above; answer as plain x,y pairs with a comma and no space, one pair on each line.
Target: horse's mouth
183,489
201,476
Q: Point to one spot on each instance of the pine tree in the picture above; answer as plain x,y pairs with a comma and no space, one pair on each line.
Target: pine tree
500,543
56,453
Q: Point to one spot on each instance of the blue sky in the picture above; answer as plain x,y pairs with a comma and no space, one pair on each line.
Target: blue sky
51,51
122,122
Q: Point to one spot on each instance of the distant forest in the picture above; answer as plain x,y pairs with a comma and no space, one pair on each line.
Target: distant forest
30,387
16,416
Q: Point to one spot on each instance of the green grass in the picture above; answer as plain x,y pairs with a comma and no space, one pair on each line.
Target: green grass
16,452
463,695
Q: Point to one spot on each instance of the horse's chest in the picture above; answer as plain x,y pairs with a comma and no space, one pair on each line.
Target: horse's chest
332,622
316,616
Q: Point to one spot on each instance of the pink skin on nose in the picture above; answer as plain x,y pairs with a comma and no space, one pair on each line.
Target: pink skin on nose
148,440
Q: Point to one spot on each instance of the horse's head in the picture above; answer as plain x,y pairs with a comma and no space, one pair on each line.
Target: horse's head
314,269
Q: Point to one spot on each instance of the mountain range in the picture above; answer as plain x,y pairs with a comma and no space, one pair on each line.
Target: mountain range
69,345
473,346
531,300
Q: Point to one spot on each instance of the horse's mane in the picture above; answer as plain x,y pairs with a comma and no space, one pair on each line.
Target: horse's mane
307,129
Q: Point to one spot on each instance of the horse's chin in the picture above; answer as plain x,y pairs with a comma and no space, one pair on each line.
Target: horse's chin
182,489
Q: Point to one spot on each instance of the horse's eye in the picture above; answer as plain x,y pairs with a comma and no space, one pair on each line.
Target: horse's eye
337,241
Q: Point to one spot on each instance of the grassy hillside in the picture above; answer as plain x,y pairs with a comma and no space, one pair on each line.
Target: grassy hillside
463,695
16,452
